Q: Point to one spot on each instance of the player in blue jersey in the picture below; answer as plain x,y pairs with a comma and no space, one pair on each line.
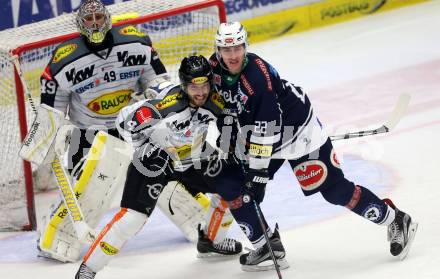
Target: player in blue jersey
272,121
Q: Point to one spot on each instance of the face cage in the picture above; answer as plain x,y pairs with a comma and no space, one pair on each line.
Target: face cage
95,35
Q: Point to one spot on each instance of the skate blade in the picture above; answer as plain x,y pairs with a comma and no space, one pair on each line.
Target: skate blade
412,232
266,265
216,256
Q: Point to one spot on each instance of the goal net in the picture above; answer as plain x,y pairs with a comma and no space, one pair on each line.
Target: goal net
177,28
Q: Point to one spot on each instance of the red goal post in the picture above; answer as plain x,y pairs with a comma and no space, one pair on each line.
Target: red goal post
177,28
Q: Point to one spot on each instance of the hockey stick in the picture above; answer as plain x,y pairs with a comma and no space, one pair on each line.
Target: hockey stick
263,227
394,118
392,121
83,231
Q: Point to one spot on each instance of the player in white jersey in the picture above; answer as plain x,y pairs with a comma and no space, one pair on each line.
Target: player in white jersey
165,133
90,79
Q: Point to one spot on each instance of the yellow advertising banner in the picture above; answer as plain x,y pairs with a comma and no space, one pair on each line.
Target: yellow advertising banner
316,15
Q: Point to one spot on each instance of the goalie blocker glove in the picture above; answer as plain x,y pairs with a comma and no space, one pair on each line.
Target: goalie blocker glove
255,185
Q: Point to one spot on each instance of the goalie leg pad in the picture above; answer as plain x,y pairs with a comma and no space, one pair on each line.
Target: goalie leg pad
124,225
96,188
57,239
183,209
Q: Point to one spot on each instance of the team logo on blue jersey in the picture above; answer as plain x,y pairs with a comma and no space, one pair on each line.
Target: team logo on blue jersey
373,213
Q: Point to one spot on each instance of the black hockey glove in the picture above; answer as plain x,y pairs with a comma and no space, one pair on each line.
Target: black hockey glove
255,185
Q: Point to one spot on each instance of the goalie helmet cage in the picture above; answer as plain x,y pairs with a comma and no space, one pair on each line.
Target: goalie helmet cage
177,28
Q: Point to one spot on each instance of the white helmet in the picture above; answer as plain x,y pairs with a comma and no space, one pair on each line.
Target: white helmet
230,34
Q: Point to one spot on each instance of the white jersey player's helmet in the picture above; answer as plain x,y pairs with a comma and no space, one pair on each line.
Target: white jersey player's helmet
230,34
93,21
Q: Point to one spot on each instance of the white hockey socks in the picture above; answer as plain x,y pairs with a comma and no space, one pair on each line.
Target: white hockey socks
124,225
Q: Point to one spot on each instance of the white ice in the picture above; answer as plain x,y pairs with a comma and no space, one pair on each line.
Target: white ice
353,72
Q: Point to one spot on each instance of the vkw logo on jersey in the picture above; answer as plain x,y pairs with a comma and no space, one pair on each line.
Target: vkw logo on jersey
131,31
311,174
63,52
110,103
78,76
131,60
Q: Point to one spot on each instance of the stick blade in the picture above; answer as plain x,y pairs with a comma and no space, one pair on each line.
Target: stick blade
398,111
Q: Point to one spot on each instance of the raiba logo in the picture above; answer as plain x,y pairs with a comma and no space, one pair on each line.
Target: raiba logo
143,115
63,52
110,103
131,31
131,60
108,249
78,76
311,174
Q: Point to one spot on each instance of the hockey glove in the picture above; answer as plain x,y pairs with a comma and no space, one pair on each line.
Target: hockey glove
255,185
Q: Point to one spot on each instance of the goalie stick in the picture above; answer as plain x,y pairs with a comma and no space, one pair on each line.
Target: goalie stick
82,229
394,118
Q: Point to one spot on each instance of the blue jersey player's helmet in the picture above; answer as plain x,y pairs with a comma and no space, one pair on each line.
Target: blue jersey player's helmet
195,69
230,34
93,21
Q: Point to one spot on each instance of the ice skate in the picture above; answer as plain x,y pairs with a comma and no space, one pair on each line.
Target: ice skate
208,249
401,233
260,259
84,272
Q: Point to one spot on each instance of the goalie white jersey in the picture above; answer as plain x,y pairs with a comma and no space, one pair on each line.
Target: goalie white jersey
92,83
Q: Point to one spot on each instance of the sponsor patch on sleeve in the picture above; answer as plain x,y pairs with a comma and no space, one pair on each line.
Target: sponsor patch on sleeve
131,31
63,52
168,101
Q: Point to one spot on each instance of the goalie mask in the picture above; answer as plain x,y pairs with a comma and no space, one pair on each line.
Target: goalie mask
228,35
195,74
93,21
